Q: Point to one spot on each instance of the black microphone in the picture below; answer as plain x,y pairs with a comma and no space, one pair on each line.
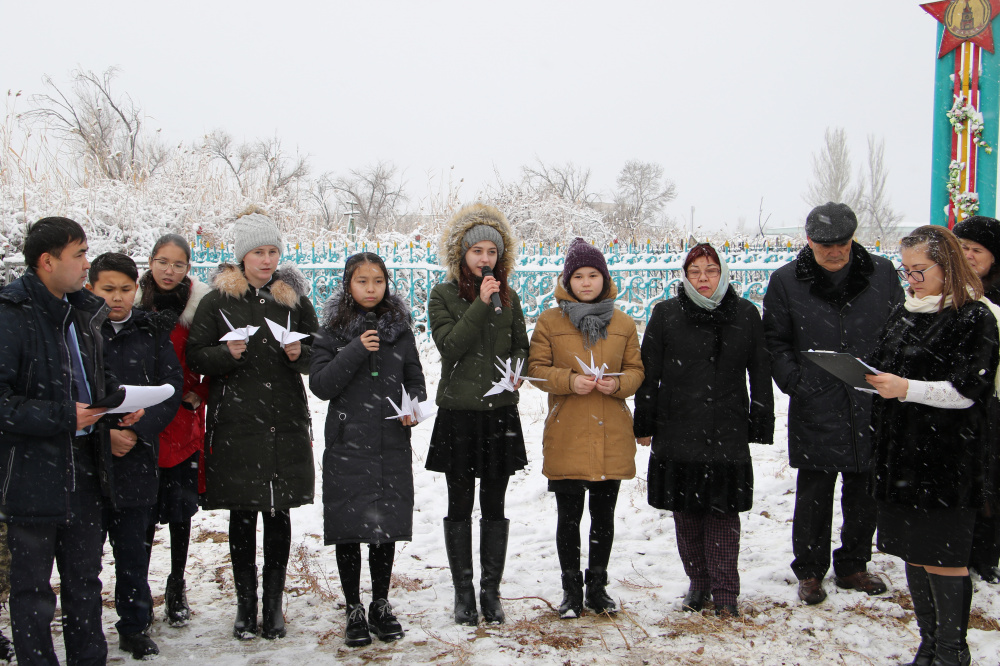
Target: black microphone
494,298
371,324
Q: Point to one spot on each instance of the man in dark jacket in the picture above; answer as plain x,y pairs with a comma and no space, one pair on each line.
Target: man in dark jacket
835,296
53,455
139,353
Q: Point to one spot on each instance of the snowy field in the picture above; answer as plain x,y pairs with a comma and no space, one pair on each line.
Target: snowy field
646,578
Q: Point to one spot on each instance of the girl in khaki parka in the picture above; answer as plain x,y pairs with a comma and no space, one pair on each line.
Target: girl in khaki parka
588,442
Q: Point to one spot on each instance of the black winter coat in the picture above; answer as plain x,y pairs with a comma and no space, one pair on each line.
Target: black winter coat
694,402
258,445
929,457
367,464
141,354
38,468
828,421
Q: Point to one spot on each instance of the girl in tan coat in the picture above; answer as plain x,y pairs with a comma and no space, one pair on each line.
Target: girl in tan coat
588,443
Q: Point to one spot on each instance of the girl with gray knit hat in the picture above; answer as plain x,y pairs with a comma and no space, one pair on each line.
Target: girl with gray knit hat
587,444
258,449
476,436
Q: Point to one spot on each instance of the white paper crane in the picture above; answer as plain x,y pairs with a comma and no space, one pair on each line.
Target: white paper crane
410,407
595,372
237,333
284,334
511,376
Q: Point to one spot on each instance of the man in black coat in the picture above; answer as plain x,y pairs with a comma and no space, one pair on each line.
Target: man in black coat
139,352
53,454
836,297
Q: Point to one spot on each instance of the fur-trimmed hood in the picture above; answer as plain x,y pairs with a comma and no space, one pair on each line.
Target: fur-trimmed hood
450,253
198,291
287,285
391,324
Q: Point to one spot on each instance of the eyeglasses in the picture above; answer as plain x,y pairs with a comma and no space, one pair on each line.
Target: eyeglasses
710,272
915,276
178,266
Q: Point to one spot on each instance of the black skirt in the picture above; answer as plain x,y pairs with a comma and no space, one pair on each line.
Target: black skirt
940,537
178,497
485,444
699,487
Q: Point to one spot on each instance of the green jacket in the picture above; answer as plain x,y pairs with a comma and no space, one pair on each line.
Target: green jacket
258,448
470,337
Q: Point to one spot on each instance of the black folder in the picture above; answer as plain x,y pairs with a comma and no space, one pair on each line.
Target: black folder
844,367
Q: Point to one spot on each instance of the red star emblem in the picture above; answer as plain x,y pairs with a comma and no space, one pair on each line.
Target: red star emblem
964,21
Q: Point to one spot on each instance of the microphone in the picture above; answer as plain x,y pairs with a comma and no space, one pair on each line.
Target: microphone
371,324
494,298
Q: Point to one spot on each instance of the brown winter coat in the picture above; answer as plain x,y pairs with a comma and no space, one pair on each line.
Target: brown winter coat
589,436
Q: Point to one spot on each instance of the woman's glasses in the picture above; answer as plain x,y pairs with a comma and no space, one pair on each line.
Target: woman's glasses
162,264
914,276
710,272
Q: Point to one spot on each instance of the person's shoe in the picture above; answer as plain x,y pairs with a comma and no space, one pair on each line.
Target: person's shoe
492,556
245,580
862,581
952,602
356,632
458,545
139,645
811,591
695,600
989,575
273,624
597,598
727,610
6,649
923,609
572,603
382,621
175,600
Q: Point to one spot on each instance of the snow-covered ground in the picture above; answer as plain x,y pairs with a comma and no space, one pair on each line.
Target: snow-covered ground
647,579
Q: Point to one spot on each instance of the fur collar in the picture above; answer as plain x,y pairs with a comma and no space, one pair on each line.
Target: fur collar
450,253
862,268
287,286
390,324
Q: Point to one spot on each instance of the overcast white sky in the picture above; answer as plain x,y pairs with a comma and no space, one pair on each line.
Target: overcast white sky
731,97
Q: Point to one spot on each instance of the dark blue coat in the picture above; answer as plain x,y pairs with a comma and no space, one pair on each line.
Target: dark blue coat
142,354
829,423
37,410
367,463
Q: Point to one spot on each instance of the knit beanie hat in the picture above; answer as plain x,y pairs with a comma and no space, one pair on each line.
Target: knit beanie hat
983,230
253,231
580,254
833,223
483,232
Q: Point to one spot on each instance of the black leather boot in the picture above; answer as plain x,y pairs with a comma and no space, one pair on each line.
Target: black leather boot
923,609
245,580
952,602
356,630
383,622
175,600
694,600
572,603
597,598
273,625
492,556
458,544
139,645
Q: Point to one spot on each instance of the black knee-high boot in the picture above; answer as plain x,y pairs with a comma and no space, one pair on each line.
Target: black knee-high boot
952,602
458,544
245,580
923,608
492,557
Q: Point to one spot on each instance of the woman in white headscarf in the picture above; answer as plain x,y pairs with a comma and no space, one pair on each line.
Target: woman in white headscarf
693,407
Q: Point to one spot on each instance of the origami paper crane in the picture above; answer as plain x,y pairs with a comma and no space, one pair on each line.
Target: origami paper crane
595,372
284,334
511,376
409,407
237,333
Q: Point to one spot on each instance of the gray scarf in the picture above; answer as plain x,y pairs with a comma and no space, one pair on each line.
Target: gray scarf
712,301
591,319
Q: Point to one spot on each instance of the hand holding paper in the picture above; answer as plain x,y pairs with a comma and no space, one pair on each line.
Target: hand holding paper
414,409
237,333
511,377
131,399
284,334
595,372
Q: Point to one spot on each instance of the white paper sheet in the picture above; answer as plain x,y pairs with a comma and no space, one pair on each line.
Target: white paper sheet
284,334
141,397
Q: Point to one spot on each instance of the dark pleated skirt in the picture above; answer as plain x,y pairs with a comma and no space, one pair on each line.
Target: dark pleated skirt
485,444
700,487
939,537
178,497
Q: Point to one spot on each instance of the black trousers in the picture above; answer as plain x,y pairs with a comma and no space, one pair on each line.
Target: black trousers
127,529
76,548
603,498
813,522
